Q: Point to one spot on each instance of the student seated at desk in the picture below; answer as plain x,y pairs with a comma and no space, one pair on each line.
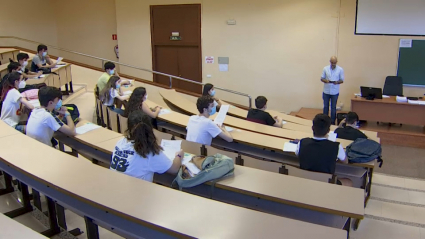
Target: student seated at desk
11,101
259,115
200,128
138,153
42,123
137,102
41,60
16,67
318,154
23,62
348,128
109,68
209,90
12,67
111,91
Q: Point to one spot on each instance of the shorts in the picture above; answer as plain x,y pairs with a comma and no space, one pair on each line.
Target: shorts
20,128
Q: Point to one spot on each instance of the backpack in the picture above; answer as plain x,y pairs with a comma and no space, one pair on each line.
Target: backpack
212,168
73,111
363,151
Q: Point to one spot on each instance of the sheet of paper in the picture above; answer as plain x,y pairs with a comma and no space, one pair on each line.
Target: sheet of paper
221,115
229,129
223,67
401,99
59,59
405,43
171,147
357,94
415,102
289,147
422,102
332,136
192,167
164,111
129,92
86,128
35,103
284,122
385,96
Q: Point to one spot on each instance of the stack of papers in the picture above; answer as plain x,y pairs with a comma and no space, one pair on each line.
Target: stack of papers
385,96
170,147
86,128
416,102
401,99
289,147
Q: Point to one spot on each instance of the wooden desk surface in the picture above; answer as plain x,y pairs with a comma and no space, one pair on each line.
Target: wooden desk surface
305,193
187,106
390,100
6,130
12,229
7,50
153,209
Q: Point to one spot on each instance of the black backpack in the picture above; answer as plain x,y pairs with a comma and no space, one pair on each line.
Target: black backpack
73,110
363,151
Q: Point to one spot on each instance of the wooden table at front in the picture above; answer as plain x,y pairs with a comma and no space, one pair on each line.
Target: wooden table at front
388,110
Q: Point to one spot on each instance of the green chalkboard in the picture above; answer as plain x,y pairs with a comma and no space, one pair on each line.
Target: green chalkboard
411,63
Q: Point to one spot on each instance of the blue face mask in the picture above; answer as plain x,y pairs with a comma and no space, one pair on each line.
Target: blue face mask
111,72
44,53
117,86
58,105
213,110
212,93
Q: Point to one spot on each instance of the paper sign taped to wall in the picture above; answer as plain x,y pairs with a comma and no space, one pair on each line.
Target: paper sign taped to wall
405,43
209,60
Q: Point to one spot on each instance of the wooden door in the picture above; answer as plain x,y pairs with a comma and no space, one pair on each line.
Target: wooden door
177,57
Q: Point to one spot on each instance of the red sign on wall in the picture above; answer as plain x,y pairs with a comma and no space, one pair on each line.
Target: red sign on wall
114,36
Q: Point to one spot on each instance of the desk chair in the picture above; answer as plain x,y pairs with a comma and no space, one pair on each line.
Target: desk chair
191,147
105,116
161,135
297,172
261,164
212,151
113,120
393,86
123,123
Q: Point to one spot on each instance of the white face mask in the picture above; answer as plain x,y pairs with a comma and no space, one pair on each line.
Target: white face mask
22,84
25,63
146,96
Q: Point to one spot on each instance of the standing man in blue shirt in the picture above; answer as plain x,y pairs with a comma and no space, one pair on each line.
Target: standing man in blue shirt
332,77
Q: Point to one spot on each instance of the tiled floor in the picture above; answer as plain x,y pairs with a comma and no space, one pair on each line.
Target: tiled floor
395,211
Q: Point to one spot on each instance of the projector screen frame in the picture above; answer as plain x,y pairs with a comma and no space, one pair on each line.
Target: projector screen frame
376,34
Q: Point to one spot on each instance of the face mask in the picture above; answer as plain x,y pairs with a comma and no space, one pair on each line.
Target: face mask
146,97
213,110
22,84
25,63
212,93
111,72
117,86
58,105
44,53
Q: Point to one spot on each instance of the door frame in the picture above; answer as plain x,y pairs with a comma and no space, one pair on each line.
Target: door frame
151,9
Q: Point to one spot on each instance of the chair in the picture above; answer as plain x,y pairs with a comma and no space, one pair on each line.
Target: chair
161,135
393,86
212,151
113,120
297,172
105,116
190,147
123,123
261,164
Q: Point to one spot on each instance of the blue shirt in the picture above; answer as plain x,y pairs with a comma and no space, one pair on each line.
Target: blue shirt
332,75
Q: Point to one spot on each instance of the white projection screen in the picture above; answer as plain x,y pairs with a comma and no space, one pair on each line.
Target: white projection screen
391,17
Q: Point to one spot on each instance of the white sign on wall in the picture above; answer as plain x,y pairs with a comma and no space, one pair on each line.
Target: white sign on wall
209,60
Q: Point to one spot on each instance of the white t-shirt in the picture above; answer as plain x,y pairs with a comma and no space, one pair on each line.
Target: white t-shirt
201,130
42,124
10,111
112,94
126,160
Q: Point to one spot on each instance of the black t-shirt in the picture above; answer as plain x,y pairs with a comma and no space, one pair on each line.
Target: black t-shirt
349,133
260,116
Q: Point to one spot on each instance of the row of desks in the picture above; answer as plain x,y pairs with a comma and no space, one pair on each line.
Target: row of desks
138,208
189,107
6,54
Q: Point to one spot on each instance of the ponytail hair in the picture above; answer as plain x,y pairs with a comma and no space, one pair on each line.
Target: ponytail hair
105,95
9,83
140,131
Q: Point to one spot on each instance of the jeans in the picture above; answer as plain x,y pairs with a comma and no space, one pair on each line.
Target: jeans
116,110
333,99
